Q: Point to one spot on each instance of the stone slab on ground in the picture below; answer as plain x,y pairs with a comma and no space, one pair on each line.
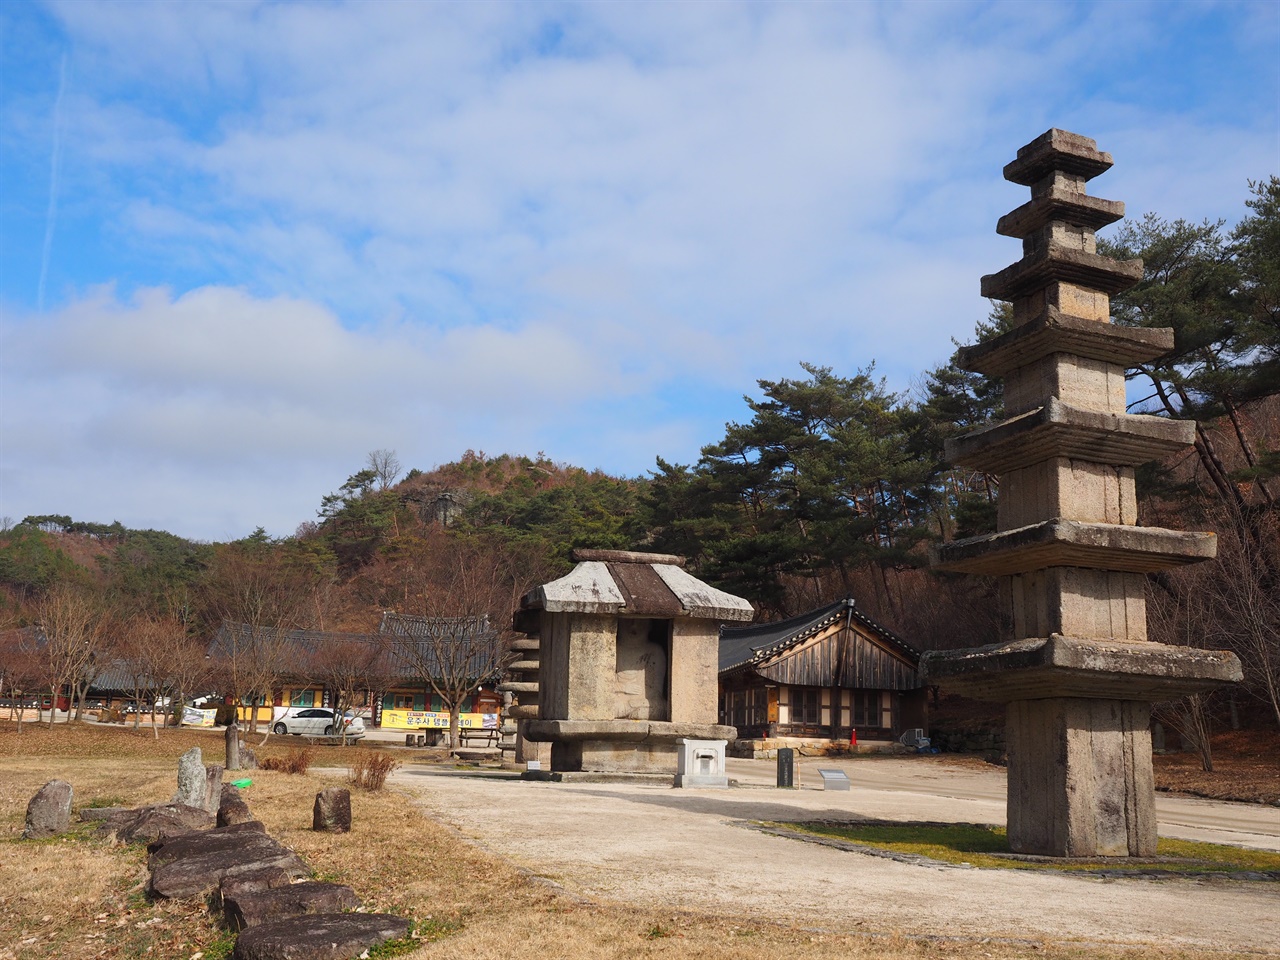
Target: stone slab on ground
175,848
199,873
92,814
326,936
160,822
247,884
253,909
49,811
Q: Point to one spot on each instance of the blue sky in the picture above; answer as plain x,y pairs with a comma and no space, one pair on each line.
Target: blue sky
241,245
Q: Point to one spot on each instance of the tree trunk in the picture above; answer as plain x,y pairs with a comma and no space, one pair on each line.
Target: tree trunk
455,710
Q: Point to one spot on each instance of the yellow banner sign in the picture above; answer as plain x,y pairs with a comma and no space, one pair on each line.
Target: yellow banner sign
427,720
191,717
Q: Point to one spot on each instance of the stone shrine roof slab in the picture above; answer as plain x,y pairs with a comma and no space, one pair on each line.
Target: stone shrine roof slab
625,583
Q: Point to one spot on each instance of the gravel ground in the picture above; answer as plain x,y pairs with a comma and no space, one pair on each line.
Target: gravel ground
690,850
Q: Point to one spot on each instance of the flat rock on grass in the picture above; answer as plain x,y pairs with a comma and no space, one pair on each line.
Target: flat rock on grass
325,936
90,814
295,900
49,812
247,884
200,871
175,848
163,821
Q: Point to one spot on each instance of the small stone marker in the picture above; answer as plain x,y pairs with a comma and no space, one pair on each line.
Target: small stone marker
786,767
212,788
49,812
232,740
834,779
332,811
192,779
248,759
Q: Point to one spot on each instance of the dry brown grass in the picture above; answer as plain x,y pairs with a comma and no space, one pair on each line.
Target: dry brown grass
297,760
78,898
371,772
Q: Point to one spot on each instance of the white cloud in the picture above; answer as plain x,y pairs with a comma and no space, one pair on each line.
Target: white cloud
523,226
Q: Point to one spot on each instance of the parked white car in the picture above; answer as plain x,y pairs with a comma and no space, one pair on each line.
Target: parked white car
318,722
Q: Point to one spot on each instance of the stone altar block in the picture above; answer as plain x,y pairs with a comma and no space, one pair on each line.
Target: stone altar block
1078,674
700,763
628,657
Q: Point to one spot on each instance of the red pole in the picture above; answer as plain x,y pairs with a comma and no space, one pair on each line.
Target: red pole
853,737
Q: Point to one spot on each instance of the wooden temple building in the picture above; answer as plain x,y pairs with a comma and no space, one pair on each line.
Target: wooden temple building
820,676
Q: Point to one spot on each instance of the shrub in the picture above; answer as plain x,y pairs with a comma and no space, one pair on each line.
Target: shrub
370,772
110,715
295,761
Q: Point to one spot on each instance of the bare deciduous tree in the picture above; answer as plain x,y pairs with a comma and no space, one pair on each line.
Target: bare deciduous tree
459,634
348,667
72,620
385,466
258,599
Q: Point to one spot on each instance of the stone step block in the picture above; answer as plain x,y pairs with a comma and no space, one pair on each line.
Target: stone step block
325,936
253,909
199,873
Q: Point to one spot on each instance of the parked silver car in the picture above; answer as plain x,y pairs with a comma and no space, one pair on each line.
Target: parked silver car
318,722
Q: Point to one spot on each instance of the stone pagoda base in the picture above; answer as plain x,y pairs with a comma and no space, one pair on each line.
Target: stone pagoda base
1077,731
1080,778
619,746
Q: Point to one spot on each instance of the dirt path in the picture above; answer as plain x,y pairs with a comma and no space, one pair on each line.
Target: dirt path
690,850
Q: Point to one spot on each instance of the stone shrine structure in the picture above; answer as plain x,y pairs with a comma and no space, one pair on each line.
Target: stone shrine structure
1078,674
628,649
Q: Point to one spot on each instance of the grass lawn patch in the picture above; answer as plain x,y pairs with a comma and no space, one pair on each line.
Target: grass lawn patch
987,847
80,898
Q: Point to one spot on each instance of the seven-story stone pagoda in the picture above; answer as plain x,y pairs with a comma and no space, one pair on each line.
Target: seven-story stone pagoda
1078,673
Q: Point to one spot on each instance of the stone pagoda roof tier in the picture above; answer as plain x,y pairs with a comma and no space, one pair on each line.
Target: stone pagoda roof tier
1057,150
1060,203
1072,543
1055,263
1060,430
1059,666
1055,332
